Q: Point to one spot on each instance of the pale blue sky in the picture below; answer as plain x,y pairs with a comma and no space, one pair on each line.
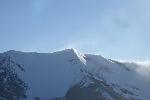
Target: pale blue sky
113,28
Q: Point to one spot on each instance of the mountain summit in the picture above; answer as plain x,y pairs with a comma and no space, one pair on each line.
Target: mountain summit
70,75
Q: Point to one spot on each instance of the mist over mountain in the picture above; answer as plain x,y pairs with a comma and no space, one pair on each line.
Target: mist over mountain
71,75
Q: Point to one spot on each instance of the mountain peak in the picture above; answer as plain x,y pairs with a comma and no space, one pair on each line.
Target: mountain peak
72,53
68,50
63,69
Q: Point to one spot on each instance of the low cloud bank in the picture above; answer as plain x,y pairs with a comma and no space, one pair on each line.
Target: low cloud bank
141,67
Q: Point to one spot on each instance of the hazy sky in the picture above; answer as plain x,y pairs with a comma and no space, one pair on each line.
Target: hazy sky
113,28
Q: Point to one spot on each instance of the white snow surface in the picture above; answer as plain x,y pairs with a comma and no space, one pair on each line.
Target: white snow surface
51,74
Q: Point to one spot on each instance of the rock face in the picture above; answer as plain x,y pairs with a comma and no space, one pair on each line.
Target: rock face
70,75
11,86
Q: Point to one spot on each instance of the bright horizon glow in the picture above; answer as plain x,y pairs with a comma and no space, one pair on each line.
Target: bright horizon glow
114,29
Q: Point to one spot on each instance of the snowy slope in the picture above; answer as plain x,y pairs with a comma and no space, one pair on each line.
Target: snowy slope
50,75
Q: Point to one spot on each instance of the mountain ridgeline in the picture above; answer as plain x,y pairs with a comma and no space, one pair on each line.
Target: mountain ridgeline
70,75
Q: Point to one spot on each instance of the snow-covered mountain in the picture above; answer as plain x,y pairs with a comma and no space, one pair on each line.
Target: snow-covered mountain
70,75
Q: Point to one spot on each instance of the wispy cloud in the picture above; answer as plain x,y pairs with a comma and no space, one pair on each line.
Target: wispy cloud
141,67
82,45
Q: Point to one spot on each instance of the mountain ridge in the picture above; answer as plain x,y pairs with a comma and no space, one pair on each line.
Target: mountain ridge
60,73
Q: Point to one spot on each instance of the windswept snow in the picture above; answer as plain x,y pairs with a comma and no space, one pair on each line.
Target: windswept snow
52,74
48,74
